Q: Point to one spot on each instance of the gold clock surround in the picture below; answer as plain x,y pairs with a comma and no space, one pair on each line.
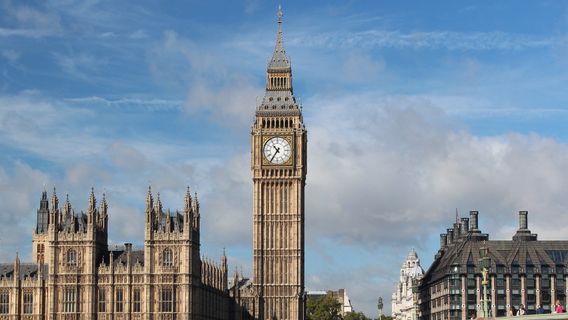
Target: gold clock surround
289,139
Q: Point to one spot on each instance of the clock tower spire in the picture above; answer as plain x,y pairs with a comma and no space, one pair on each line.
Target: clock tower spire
278,165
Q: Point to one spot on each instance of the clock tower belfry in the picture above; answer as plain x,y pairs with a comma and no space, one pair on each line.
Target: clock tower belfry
278,164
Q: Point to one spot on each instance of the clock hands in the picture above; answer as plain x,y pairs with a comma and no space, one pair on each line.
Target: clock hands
275,153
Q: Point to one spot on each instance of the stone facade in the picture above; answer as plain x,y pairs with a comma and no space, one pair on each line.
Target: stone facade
278,165
404,298
523,270
75,274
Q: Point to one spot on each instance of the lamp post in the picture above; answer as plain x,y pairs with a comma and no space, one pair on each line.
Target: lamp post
484,264
380,307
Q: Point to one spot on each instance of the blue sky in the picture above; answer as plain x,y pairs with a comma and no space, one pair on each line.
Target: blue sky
414,109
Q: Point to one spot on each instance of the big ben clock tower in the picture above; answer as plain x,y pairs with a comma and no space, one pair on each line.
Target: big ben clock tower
278,164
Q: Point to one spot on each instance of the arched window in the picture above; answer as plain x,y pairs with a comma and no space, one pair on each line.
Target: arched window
167,258
72,257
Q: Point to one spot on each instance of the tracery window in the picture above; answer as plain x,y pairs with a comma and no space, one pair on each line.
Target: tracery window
167,259
136,300
72,257
102,300
69,300
4,302
167,300
119,300
28,302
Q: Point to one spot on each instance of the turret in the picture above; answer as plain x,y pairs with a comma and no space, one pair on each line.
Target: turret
92,209
158,209
196,216
149,206
54,211
17,267
42,214
103,214
187,213
224,270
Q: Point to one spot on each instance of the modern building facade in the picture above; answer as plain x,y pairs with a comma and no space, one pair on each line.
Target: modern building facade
404,298
523,270
279,167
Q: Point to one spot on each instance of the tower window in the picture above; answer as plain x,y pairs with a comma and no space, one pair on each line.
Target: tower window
28,303
72,257
69,300
119,300
4,302
167,259
102,300
167,300
136,300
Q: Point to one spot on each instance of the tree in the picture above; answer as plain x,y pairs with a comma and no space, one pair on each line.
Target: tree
355,316
324,308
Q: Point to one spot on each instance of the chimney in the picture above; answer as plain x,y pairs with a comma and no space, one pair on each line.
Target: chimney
464,226
457,232
443,240
523,220
524,234
128,249
473,221
450,238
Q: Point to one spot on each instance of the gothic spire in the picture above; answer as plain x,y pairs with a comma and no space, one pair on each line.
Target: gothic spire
67,207
187,200
279,59
54,202
149,200
92,201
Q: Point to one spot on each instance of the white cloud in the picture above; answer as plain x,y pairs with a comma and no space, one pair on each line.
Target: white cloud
11,55
213,85
359,67
18,184
449,40
80,66
138,34
26,21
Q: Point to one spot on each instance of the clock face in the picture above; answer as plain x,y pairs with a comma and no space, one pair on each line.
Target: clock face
277,150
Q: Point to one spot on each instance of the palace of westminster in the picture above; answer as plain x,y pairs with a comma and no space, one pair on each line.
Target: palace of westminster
75,274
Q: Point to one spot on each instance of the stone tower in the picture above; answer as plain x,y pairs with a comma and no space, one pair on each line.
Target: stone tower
278,164
70,244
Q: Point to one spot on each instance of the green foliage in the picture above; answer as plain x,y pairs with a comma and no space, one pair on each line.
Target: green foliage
324,308
355,316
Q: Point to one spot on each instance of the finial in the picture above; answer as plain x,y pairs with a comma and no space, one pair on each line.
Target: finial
279,14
